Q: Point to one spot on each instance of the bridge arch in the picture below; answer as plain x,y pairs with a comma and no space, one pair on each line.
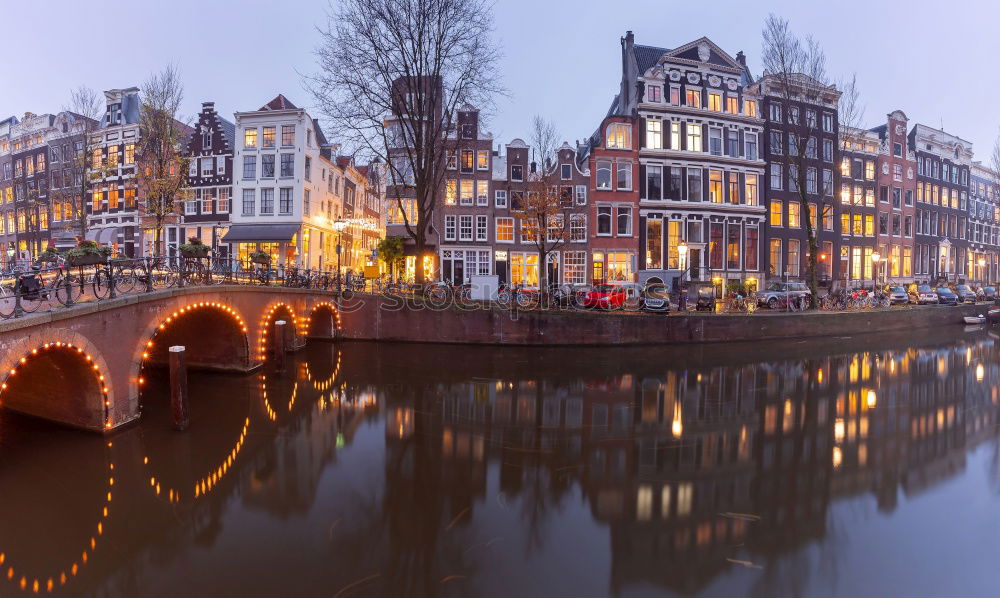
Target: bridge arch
58,375
323,321
275,312
213,333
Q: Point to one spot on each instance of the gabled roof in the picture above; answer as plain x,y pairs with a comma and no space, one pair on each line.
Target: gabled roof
280,102
344,161
695,51
228,130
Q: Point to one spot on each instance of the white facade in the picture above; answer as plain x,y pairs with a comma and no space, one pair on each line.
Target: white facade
277,180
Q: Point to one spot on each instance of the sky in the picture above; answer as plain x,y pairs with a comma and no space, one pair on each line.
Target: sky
934,60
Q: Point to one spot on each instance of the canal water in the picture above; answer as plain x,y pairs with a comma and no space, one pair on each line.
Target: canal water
836,467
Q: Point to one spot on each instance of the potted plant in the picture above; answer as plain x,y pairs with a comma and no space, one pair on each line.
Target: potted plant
260,257
194,248
87,253
48,256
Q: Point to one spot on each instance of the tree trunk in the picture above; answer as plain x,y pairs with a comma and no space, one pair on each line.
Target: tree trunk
418,267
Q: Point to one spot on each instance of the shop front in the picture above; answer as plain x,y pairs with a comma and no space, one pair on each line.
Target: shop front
280,241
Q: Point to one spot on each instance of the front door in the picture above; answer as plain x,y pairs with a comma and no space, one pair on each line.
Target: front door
695,257
501,268
552,272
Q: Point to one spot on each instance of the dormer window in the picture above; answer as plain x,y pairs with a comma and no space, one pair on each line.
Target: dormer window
516,172
206,140
468,131
566,172
619,136
654,93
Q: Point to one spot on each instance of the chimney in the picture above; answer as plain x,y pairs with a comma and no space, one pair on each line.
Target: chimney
741,58
534,167
207,106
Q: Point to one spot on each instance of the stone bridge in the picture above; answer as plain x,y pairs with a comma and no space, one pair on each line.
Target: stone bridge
84,366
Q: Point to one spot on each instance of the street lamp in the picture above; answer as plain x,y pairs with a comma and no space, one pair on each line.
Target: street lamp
339,226
876,257
682,251
982,262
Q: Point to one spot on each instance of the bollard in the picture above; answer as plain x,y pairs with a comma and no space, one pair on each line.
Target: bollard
280,345
178,388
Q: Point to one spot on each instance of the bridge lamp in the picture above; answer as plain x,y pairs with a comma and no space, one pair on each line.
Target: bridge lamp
339,226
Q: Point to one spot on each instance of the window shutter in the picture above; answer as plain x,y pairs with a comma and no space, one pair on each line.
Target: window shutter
683,139
642,132
642,181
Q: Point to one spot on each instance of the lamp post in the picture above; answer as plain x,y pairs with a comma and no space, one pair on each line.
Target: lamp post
982,262
682,252
876,258
339,226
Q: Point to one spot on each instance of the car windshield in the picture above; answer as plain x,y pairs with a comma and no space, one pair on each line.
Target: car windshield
989,289
898,290
925,289
962,287
796,286
944,290
658,291
603,288
775,286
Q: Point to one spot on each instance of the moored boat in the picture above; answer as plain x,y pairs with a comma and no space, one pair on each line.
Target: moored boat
974,319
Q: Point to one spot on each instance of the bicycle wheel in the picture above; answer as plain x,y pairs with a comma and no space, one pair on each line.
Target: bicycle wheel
503,298
125,279
66,289
102,284
526,300
6,300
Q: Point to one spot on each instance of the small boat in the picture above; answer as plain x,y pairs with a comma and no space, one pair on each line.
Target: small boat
974,319
993,315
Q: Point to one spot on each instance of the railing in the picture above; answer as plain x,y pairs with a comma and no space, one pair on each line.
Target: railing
48,286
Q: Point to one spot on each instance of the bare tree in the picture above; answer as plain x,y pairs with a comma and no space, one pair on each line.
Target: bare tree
78,169
392,75
544,210
162,166
795,69
994,166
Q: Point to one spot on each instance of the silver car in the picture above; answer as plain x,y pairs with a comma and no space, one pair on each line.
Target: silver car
777,292
898,296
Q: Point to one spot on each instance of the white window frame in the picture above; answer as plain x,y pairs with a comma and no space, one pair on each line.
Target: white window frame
500,198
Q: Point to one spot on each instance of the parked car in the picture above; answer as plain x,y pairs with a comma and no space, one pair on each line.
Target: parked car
613,296
946,296
778,291
989,293
897,296
656,297
965,293
923,295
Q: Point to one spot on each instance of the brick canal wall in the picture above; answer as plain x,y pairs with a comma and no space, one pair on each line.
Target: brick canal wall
388,319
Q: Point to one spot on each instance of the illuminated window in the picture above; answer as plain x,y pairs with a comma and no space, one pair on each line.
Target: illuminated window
794,220
654,134
777,213
619,136
732,105
693,137
269,136
692,98
715,101
750,107
250,138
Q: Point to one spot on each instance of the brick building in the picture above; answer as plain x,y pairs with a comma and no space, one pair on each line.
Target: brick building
984,223
858,211
897,192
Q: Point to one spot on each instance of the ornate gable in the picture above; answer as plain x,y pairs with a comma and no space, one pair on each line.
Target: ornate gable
703,52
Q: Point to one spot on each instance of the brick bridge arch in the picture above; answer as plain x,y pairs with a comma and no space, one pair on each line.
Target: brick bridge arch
116,334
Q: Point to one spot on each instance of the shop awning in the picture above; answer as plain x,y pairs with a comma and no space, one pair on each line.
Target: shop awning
104,236
260,233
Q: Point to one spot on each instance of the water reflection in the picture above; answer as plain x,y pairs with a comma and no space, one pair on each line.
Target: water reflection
435,471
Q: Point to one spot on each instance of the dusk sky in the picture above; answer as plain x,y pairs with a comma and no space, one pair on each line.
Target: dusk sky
935,61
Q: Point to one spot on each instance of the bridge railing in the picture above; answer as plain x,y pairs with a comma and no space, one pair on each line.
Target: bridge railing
52,285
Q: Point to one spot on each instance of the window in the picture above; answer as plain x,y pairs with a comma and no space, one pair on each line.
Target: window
287,135
654,182
732,104
793,178
505,230
750,190
777,213
827,122
793,118
750,142
249,167
529,230
581,195
793,257
715,141
624,179
896,197
811,119
619,136
694,184
287,165
267,166
450,227
654,137
776,176
222,201
266,201
715,186
190,208
604,174
827,182
624,221
692,97
811,181
715,101
776,143
249,202
482,193
517,173
468,189
308,168
500,199
465,228
693,137
452,160
827,150
604,221
575,267
675,95
733,247
285,200
675,135
732,143
483,160
578,228
811,148
450,192
793,214
793,144
733,187
467,159
654,93
250,138
715,245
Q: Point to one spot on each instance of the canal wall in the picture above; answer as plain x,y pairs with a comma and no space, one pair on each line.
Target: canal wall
390,319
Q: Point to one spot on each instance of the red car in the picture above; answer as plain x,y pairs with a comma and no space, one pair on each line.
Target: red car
605,296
